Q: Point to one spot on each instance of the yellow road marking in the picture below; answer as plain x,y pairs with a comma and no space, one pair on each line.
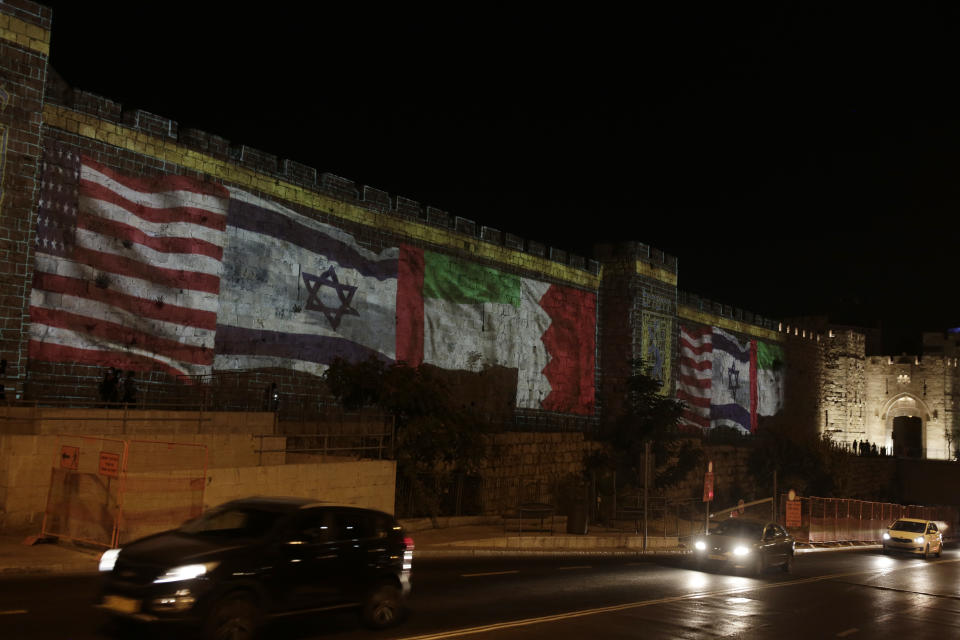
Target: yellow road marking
646,603
12,612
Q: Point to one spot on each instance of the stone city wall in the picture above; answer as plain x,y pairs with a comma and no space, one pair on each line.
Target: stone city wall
279,268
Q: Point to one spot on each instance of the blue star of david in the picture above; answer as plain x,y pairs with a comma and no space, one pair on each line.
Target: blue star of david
344,293
733,378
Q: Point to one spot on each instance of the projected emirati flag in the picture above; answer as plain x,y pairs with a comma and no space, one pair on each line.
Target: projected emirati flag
461,315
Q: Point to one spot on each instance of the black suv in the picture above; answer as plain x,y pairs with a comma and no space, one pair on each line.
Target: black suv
256,558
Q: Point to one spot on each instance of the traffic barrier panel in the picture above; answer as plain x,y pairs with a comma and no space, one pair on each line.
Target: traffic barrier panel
106,491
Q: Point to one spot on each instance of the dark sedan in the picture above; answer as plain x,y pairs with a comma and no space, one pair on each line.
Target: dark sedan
253,559
745,544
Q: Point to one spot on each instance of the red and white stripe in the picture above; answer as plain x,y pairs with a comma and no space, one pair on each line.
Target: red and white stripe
696,375
137,288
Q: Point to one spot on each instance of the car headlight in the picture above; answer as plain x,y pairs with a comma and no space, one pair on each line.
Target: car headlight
700,545
185,572
918,539
886,536
741,550
108,559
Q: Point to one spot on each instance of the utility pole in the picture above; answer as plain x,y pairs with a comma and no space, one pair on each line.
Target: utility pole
646,482
776,512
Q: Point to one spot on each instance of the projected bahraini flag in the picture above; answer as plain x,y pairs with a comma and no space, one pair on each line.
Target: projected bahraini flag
726,382
127,270
461,315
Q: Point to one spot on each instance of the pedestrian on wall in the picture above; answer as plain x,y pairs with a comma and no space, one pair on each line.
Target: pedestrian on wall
271,398
856,450
108,386
128,394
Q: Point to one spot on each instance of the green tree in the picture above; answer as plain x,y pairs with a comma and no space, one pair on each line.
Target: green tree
805,461
650,417
435,439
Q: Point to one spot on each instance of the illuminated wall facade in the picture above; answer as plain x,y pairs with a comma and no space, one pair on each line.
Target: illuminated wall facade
129,242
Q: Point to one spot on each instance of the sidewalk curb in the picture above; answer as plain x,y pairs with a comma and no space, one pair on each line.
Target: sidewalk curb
542,553
47,571
88,567
653,553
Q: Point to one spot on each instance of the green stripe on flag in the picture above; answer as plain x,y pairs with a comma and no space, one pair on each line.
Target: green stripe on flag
461,282
769,356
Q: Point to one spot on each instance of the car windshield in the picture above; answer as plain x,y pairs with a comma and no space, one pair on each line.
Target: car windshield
235,522
907,525
739,528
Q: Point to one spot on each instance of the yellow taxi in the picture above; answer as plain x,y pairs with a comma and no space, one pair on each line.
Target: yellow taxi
914,535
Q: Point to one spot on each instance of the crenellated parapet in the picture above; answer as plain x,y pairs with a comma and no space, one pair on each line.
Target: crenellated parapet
159,129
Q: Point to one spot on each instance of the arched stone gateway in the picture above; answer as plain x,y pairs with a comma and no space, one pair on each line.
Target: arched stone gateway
905,418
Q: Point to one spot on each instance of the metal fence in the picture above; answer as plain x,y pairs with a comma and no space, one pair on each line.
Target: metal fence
665,517
106,491
459,495
350,434
844,520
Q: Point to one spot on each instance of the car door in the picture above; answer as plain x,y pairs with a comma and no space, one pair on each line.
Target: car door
933,536
313,561
774,539
361,547
783,543
768,545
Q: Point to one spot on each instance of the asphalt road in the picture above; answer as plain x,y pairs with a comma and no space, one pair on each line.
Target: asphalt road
855,594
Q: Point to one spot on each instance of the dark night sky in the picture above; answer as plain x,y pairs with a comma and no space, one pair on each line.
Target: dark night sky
796,159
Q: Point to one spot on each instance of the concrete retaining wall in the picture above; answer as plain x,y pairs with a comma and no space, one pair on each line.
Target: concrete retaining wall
234,470
130,422
364,483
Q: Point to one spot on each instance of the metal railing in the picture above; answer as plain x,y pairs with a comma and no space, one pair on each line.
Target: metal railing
125,415
843,520
361,443
664,517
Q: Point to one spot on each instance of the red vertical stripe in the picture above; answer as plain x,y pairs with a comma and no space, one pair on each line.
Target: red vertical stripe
570,341
754,384
410,306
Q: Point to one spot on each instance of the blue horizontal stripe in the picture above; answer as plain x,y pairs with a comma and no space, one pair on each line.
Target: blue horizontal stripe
732,412
250,217
236,341
722,343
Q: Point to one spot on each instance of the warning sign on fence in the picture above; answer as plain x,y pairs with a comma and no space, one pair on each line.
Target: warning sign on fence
109,464
793,513
69,457
159,485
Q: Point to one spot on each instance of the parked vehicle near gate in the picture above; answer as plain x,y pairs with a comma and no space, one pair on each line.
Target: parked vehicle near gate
751,545
252,559
914,535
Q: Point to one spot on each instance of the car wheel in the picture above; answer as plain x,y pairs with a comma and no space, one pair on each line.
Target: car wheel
926,552
759,565
788,563
940,550
234,618
117,627
886,551
383,607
